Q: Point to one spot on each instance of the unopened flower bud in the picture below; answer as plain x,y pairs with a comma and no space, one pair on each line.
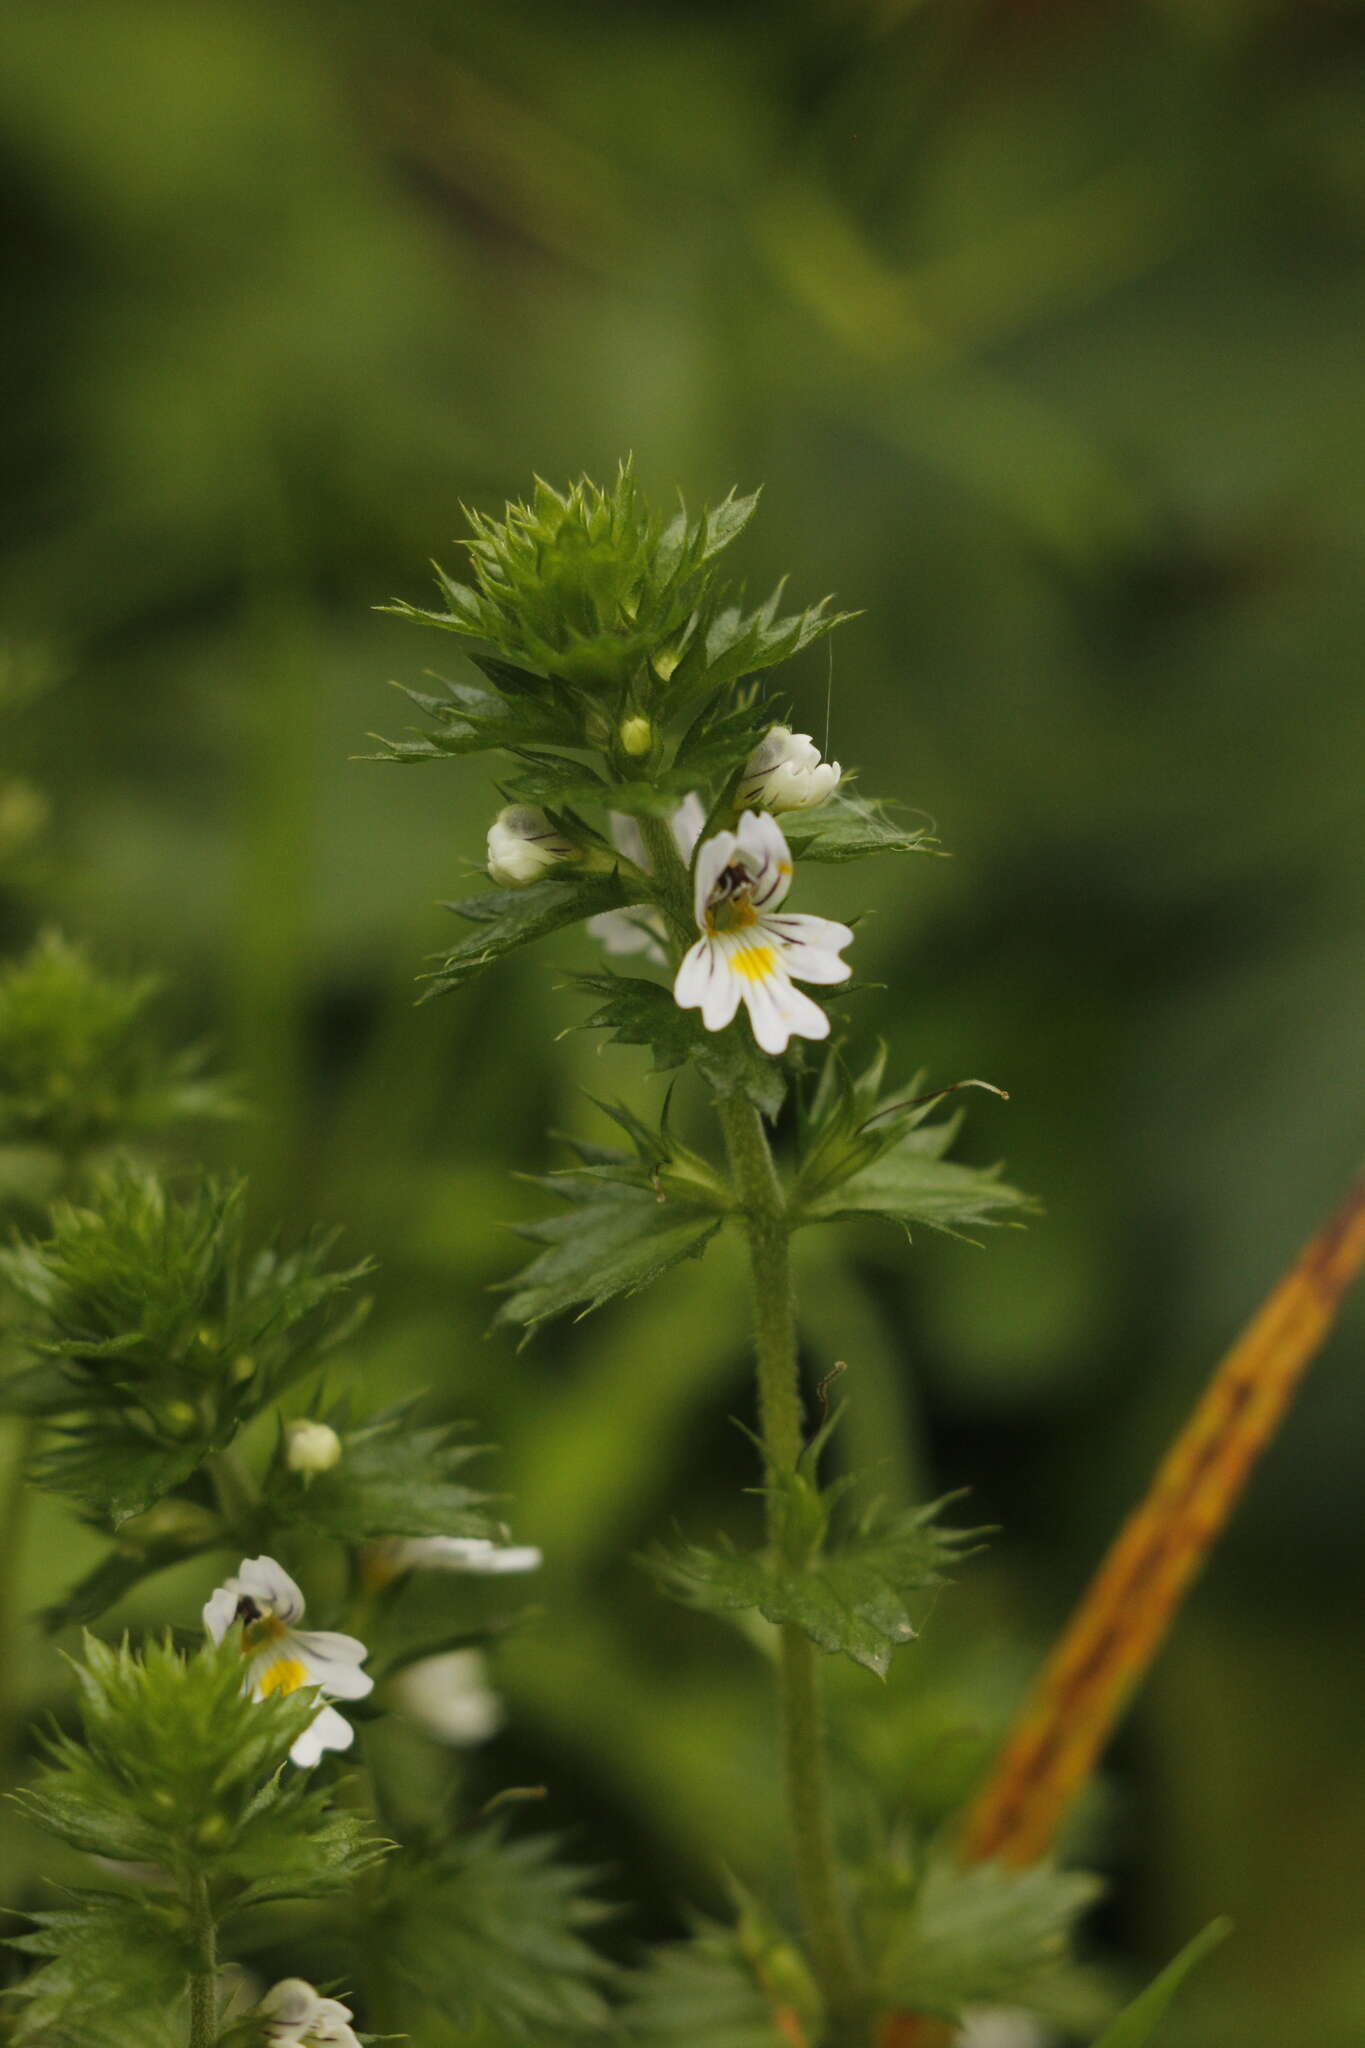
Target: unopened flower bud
523,846
785,773
637,737
310,1446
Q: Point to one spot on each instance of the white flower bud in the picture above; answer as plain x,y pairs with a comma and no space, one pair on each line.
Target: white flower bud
310,1446
785,773
523,846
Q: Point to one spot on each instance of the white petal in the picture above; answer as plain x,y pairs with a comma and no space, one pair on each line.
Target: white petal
810,946
327,1730
267,1583
450,1697
291,2005
220,1611
712,861
628,839
779,1012
688,820
466,1554
704,981
634,930
761,840
333,1662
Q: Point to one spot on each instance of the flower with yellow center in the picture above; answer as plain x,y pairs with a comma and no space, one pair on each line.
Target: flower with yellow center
281,1657
292,2015
747,952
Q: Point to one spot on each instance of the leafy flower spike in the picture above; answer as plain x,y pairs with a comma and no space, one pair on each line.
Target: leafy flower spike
749,954
295,2017
283,1657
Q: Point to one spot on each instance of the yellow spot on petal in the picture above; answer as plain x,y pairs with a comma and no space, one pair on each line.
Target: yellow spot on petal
754,963
285,1675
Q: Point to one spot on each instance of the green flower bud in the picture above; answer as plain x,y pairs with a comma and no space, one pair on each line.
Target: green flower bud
637,737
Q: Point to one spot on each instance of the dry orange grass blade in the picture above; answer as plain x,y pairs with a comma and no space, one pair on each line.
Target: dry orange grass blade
1116,1630
1118,1627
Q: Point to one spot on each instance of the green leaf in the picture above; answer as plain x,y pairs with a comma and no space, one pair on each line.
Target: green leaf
614,1240
114,1970
469,720
909,1186
734,644
79,1065
636,1011
506,919
176,1766
1137,2024
981,1936
848,827
863,1597
392,1479
696,1991
425,1612
169,1332
491,1932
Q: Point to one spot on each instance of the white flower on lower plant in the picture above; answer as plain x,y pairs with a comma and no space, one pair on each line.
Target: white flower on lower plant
639,928
294,2016
785,773
461,1554
998,2026
450,1697
523,846
747,953
282,1657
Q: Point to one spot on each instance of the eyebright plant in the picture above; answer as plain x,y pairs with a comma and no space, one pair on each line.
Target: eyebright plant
153,1350
654,791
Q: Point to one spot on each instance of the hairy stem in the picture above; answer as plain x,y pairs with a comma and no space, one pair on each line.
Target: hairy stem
804,1773
204,1982
805,1779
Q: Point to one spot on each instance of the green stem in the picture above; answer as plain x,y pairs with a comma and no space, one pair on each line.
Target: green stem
13,1516
204,1982
805,1778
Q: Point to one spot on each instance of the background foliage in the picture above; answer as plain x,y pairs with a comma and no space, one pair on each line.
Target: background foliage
1041,326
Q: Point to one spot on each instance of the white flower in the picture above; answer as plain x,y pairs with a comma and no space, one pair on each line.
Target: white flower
450,1697
296,2017
785,773
282,1657
310,1446
746,952
641,929
523,846
462,1554
998,2026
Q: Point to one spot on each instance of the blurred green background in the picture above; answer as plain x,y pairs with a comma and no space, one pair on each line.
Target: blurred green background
1041,324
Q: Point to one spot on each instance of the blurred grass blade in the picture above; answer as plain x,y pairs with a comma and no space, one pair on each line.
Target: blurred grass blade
1137,2023
1116,1630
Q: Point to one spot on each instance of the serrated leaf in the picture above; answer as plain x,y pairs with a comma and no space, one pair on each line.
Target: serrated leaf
1137,2024
862,1598
637,1011
506,919
113,1971
392,1479
614,1240
490,1931
848,827
987,1935
908,1186
696,1991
